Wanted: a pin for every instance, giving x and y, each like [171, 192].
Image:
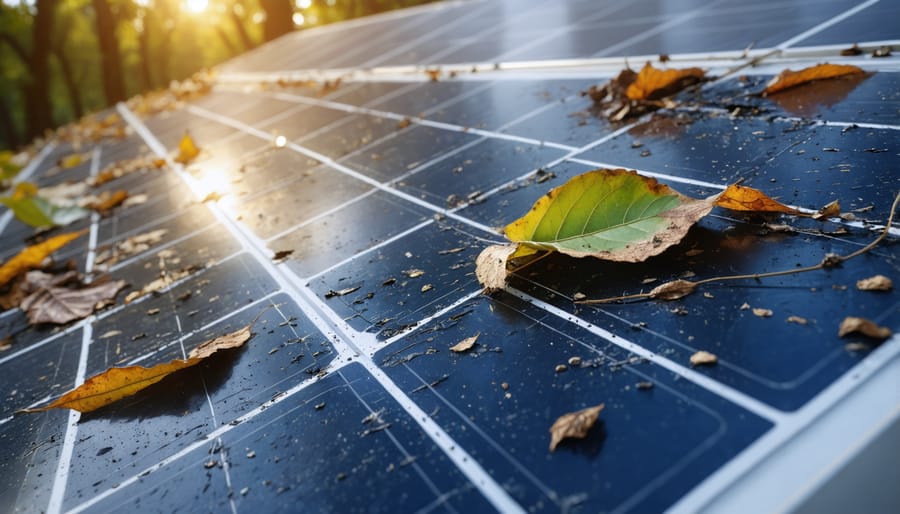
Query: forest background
[61, 59]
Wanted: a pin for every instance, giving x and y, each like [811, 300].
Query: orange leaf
[108, 201]
[742, 198]
[788, 79]
[115, 384]
[32, 256]
[652, 83]
[187, 150]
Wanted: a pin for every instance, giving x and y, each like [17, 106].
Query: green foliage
[159, 41]
[38, 212]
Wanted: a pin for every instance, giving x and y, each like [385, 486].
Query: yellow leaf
[32, 256]
[187, 150]
[70, 161]
[742, 198]
[108, 201]
[788, 78]
[115, 384]
[24, 190]
[652, 83]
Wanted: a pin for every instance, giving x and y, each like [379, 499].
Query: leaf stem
[830, 260]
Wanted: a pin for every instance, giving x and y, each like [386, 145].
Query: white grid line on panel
[311, 306]
[63, 468]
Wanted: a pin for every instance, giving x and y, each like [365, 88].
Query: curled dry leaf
[673, 290]
[653, 83]
[115, 384]
[832, 210]
[742, 198]
[33, 256]
[187, 150]
[762, 313]
[855, 325]
[797, 319]
[60, 305]
[341, 292]
[876, 283]
[788, 78]
[166, 279]
[465, 345]
[490, 266]
[108, 200]
[703, 358]
[130, 246]
[574, 425]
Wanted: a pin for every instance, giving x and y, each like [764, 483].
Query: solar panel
[451, 120]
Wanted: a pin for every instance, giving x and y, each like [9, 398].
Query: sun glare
[196, 6]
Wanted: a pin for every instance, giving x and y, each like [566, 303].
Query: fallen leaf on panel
[33, 256]
[614, 215]
[574, 425]
[832, 210]
[165, 279]
[187, 150]
[115, 384]
[465, 345]
[653, 83]
[107, 200]
[60, 305]
[703, 358]
[855, 325]
[743, 198]
[876, 283]
[130, 246]
[788, 78]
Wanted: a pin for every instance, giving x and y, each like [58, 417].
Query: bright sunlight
[196, 6]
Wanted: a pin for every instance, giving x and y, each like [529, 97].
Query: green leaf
[614, 215]
[38, 212]
[8, 167]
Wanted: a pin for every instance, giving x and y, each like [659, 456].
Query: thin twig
[830, 260]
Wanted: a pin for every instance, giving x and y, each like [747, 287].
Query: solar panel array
[347, 398]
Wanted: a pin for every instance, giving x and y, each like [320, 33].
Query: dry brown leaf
[130, 246]
[876, 283]
[703, 358]
[33, 256]
[788, 78]
[108, 200]
[165, 280]
[762, 313]
[60, 305]
[574, 425]
[465, 345]
[855, 325]
[341, 292]
[743, 198]
[831, 210]
[115, 384]
[490, 266]
[187, 150]
[653, 83]
[673, 290]
[797, 319]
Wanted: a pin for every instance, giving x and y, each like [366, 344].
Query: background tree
[60, 59]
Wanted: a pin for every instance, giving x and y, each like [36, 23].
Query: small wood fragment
[875, 283]
[703, 358]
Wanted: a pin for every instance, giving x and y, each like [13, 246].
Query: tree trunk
[242, 30]
[111, 63]
[37, 94]
[279, 18]
[9, 135]
[144, 50]
[69, 80]
[58, 47]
